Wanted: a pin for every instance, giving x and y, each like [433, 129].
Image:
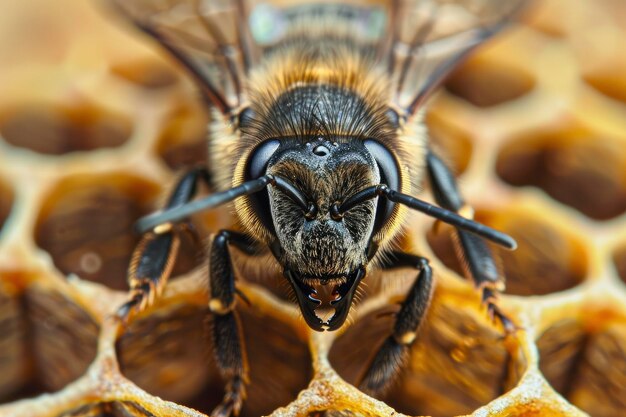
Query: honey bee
[317, 137]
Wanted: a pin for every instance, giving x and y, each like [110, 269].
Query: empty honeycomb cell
[63, 337]
[148, 73]
[458, 362]
[577, 167]
[6, 202]
[86, 224]
[183, 140]
[55, 129]
[450, 142]
[169, 354]
[547, 260]
[487, 83]
[598, 380]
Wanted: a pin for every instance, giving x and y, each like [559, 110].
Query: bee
[317, 138]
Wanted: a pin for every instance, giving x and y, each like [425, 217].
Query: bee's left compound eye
[256, 167]
[259, 158]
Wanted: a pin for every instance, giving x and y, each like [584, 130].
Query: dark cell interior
[486, 84]
[86, 225]
[56, 130]
[61, 340]
[574, 166]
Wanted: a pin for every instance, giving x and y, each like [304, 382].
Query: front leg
[155, 254]
[478, 260]
[229, 349]
[394, 352]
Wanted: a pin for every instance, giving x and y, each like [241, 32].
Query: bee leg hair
[478, 260]
[155, 254]
[394, 352]
[229, 350]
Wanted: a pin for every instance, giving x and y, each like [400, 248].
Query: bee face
[323, 244]
[317, 142]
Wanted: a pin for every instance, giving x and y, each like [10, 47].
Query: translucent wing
[419, 41]
[428, 38]
[210, 38]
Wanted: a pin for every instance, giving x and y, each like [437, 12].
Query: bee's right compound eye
[257, 167]
[389, 175]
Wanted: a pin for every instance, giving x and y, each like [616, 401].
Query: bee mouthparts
[309, 301]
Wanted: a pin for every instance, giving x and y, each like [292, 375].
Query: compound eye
[389, 175]
[259, 158]
[255, 168]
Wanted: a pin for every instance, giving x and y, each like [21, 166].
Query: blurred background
[95, 123]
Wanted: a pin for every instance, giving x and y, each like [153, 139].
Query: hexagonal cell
[63, 337]
[575, 166]
[169, 354]
[166, 353]
[149, 73]
[544, 251]
[55, 129]
[587, 368]
[6, 202]
[450, 142]
[183, 140]
[86, 224]
[485, 83]
[619, 259]
[458, 362]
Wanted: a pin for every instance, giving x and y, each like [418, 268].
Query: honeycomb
[96, 124]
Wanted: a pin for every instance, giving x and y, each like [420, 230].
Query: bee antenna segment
[431, 210]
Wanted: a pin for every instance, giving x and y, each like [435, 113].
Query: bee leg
[394, 352]
[229, 349]
[479, 262]
[154, 255]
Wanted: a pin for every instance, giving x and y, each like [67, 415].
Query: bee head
[317, 244]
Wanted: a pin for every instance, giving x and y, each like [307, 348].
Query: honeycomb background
[95, 124]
